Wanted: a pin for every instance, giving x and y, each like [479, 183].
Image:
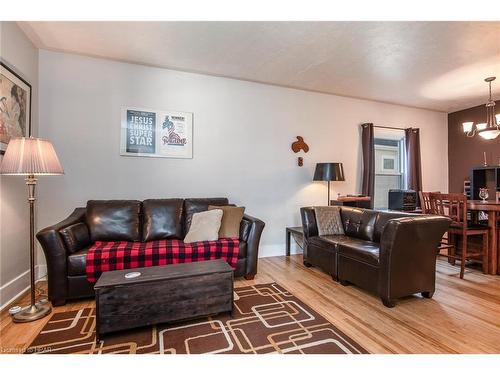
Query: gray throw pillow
[328, 220]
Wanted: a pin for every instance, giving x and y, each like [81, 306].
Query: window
[389, 165]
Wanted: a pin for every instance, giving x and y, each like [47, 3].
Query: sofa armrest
[408, 250]
[309, 228]
[252, 237]
[56, 254]
[309, 225]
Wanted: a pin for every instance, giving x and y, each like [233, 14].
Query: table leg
[288, 243]
[493, 243]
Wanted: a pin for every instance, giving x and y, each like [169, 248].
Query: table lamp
[31, 157]
[329, 172]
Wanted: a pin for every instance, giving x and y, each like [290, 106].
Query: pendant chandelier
[489, 129]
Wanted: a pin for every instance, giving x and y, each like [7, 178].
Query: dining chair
[454, 206]
[429, 209]
[425, 201]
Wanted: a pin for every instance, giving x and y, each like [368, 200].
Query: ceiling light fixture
[489, 129]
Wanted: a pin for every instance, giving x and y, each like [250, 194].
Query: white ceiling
[434, 65]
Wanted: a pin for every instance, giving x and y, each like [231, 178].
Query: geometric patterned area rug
[266, 319]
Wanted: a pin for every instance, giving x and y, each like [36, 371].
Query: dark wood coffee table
[162, 294]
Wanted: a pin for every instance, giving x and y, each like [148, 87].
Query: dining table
[492, 209]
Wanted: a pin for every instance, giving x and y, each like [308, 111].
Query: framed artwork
[156, 133]
[15, 106]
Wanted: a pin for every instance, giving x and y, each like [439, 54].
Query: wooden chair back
[425, 202]
[452, 205]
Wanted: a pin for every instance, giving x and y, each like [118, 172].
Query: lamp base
[31, 313]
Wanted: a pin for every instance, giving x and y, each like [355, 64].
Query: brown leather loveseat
[65, 244]
[392, 254]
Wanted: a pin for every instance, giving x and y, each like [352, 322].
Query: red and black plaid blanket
[109, 256]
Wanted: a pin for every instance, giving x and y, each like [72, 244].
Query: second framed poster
[156, 133]
[15, 106]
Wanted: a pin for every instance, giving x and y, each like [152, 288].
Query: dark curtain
[414, 172]
[368, 145]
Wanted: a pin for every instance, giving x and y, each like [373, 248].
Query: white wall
[18, 52]
[242, 137]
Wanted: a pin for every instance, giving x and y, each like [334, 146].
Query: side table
[289, 231]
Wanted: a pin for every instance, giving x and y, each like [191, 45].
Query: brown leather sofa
[65, 244]
[392, 254]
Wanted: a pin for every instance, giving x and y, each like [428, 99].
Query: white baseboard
[13, 289]
[41, 272]
[277, 250]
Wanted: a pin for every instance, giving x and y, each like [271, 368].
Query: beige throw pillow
[231, 220]
[328, 220]
[204, 226]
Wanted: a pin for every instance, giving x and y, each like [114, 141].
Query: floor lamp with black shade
[329, 172]
[31, 157]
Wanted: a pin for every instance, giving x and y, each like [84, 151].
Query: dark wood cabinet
[485, 177]
[360, 202]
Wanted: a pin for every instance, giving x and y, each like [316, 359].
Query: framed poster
[15, 106]
[156, 133]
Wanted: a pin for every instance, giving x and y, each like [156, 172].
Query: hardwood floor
[462, 317]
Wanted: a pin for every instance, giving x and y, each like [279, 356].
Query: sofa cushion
[231, 220]
[330, 242]
[194, 205]
[361, 250]
[77, 262]
[335, 239]
[127, 255]
[204, 226]
[162, 219]
[114, 220]
[75, 237]
[328, 220]
[321, 242]
[358, 223]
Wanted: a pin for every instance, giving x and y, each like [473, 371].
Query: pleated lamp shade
[30, 156]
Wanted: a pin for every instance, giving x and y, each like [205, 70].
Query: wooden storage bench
[162, 294]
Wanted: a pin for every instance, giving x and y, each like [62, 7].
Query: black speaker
[402, 200]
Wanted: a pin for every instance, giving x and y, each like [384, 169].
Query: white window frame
[401, 169]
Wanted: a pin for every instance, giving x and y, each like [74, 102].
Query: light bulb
[467, 126]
